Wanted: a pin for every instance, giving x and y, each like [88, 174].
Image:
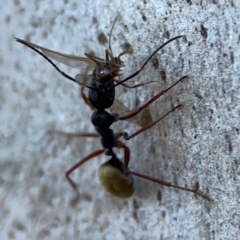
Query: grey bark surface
[197, 145]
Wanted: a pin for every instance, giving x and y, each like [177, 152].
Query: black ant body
[114, 175]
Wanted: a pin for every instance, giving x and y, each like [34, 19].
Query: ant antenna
[110, 35]
[51, 62]
[138, 71]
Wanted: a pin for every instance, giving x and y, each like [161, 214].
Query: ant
[114, 175]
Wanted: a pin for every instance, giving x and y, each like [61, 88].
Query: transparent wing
[119, 107]
[84, 79]
[67, 59]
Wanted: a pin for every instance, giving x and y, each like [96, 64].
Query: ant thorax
[102, 93]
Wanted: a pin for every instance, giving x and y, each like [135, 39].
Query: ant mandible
[114, 175]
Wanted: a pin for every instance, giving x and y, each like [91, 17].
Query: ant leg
[69, 134]
[118, 135]
[85, 99]
[125, 135]
[137, 85]
[169, 184]
[77, 165]
[120, 144]
[132, 114]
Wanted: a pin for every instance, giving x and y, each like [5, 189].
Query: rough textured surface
[196, 144]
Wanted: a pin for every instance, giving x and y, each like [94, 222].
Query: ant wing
[67, 59]
[84, 79]
[119, 107]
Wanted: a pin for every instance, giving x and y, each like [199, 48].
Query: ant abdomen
[114, 180]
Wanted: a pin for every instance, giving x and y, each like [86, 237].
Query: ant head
[114, 180]
[101, 74]
[108, 68]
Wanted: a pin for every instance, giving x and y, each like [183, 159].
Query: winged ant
[114, 175]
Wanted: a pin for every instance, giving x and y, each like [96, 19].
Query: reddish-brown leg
[77, 165]
[137, 85]
[167, 184]
[79, 134]
[132, 114]
[85, 99]
[120, 144]
[125, 135]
